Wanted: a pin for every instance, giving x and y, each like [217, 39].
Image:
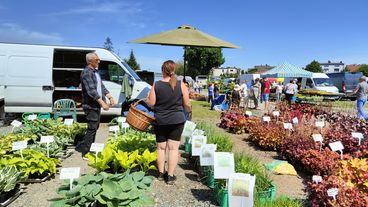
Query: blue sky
[268, 31]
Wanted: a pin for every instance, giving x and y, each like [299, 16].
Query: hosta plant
[55, 150]
[113, 190]
[7, 140]
[9, 177]
[34, 164]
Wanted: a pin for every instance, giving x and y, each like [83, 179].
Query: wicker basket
[138, 119]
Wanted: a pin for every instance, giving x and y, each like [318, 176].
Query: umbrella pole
[185, 62]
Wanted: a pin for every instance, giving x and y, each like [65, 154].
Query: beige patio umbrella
[186, 36]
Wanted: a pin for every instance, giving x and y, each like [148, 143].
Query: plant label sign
[47, 139]
[114, 128]
[223, 165]
[266, 119]
[207, 154]
[97, 147]
[295, 120]
[320, 124]
[70, 173]
[316, 178]
[16, 123]
[198, 132]
[248, 113]
[32, 117]
[317, 137]
[241, 189]
[332, 192]
[20, 145]
[288, 126]
[197, 143]
[276, 113]
[124, 125]
[68, 122]
[357, 135]
[189, 127]
[337, 146]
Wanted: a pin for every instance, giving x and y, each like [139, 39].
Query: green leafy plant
[223, 141]
[7, 140]
[34, 164]
[126, 189]
[9, 177]
[279, 202]
[55, 150]
[146, 159]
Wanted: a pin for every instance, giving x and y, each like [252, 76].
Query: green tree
[108, 44]
[314, 67]
[346, 69]
[132, 62]
[364, 69]
[179, 67]
[201, 60]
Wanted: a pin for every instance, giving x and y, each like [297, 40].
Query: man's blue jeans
[360, 107]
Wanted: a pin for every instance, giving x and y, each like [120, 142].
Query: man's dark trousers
[93, 120]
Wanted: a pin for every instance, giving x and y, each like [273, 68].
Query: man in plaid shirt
[94, 93]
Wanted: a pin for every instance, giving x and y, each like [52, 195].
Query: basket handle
[136, 103]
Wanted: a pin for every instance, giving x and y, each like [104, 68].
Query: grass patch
[201, 112]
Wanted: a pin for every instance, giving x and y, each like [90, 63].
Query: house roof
[353, 67]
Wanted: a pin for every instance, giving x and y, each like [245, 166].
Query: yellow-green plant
[126, 160]
[146, 159]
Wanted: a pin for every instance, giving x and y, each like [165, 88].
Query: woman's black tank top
[169, 103]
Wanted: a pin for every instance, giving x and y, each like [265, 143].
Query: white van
[32, 77]
[320, 82]
[201, 80]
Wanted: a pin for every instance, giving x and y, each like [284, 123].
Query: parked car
[346, 82]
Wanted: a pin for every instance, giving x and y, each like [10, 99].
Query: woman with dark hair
[168, 97]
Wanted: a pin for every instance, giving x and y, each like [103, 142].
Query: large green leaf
[147, 180]
[126, 185]
[111, 189]
[138, 176]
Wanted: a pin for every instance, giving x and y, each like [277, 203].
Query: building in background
[353, 67]
[228, 71]
[331, 67]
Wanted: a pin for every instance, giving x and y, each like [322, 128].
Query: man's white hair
[90, 56]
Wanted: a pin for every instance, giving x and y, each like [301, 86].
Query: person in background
[256, 92]
[167, 97]
[93, 93]
[210, 94]
[216, 90]
[261, 81]
[266, 92]
[195, 87]
[290, 90]
[235, 97]
[244, 94]
[361, 91]
[279, 89]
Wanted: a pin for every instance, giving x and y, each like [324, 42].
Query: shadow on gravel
[192, 176]
[204, 195]
[185, 166]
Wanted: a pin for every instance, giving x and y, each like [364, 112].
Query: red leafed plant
[268, 136]
[233, 121]
[320, 163]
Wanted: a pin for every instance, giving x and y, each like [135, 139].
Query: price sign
[266, 118]
[357, 135]
[32, 117]
[317, 137]
[70, 173]
[114, 128]
[248, 113]
[316, 178]
[47, 139]
[97, 147]
[295, 120]
[276, 113]
[337, 146]
[320, 124]
[19, 145]
[68, 122]
[332, 192]
[16, 123]
[288, 126]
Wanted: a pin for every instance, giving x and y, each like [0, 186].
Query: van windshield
[320, 82]
[131, 71]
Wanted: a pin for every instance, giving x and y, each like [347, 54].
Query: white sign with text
[358, 136]
[266, 119]
[288, 126]
[223, 165]
[32, 117]
[47, 139]
[207, 154]
[316, 178]
[276, 113]
[68, 122]
[241, 189]
[97, 147]
[16, 123]
[197, 142]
